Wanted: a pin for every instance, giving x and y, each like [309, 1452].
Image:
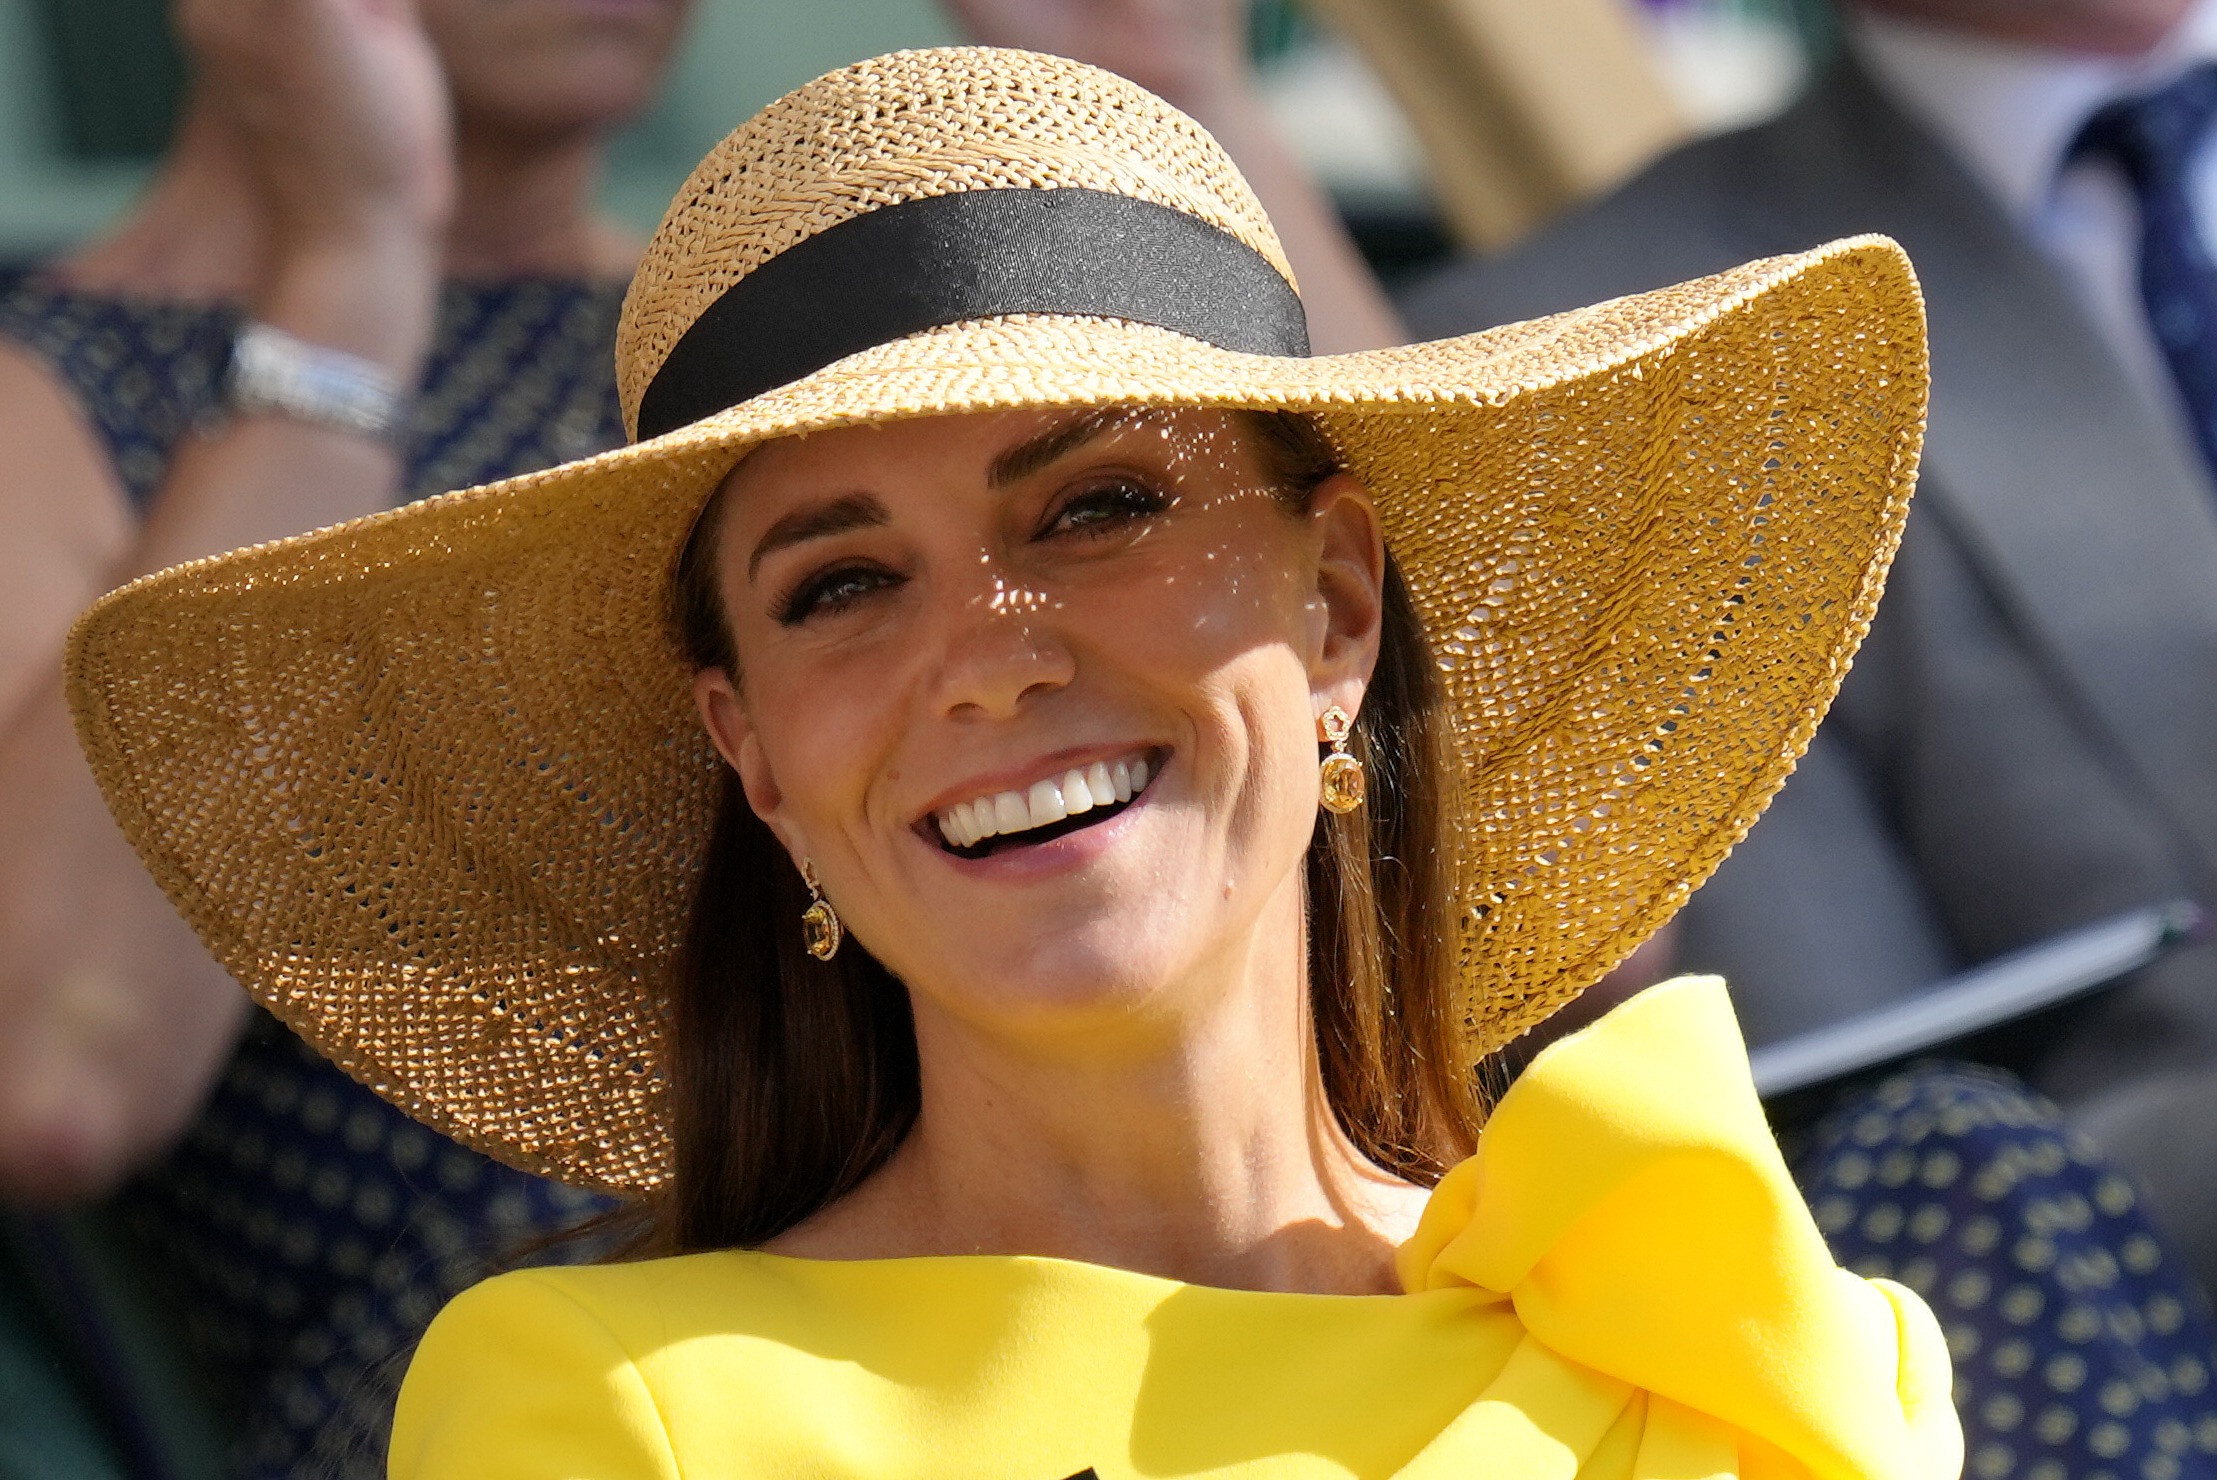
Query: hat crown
[905, 127]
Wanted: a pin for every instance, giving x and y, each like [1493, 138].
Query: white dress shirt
[2010, 114]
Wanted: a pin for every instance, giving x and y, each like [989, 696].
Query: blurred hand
[342, 109]
[1188, 52]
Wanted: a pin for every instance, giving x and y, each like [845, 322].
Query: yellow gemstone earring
[820, 928]
[1342, 775]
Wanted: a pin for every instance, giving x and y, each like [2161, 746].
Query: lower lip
[1072, 850]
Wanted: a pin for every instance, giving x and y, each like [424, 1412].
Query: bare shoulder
[883, 1218]
[1392, 1208]
[64, 520]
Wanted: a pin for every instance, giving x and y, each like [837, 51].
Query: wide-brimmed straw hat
[431, 783]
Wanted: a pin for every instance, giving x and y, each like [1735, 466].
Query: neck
[1195, 1145]
[525, 207]
[202, 232]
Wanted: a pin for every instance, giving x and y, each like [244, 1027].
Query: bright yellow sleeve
[1630, 1200]
[518, 1381]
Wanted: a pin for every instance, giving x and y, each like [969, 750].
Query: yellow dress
[1622, 1285]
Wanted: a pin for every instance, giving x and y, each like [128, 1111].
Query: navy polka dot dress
[2082, 1351]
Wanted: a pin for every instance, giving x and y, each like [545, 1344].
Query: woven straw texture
[904, 127]
[431, 786]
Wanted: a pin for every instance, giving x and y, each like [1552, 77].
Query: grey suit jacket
[2029, 739]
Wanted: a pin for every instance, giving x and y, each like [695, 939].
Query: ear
[1346, 608]
[724, 715]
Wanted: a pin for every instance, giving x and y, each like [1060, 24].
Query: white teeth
[1101, 784]
[1046, 804]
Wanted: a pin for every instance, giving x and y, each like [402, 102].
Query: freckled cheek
[825, 733]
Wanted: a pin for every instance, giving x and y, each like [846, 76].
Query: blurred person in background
[369, 269]
[2029, 739]
[395, 204]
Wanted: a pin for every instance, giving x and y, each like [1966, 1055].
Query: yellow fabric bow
[1629, 1200]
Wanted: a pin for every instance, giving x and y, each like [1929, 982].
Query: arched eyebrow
[817, 521]
[1035, 452]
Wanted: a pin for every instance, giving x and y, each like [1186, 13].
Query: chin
[586, 73]
[1088, 979]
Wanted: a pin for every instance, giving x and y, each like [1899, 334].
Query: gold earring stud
[1342, 776]
[821, 931]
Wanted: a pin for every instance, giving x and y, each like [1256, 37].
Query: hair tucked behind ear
[793, 1079]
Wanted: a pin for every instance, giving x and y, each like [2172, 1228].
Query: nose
[1001, 646]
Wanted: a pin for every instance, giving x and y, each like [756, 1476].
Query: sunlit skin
[1115, 1053]
[2103, 27]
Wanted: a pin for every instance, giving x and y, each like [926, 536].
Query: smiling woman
[1009, 815]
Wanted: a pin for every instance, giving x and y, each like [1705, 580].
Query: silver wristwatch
[275, 371]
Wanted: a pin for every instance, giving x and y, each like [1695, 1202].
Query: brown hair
[793, 1079]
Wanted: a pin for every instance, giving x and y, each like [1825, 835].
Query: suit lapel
[2092, 522]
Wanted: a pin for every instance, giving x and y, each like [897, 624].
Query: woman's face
[945, 625]
[553, 67]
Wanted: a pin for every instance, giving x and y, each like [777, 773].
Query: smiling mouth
[1050, 808]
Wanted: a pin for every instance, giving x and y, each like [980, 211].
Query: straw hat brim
[431, 786]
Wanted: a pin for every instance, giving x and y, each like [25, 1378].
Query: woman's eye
[1105, 508]
[832, 590]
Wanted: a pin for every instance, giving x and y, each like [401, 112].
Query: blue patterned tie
[2152, 139]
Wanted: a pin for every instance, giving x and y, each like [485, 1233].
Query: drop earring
[1342, 776]
[820, 928]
